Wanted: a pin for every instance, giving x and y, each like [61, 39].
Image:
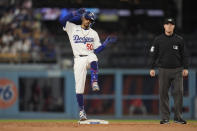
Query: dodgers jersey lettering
[83, 42]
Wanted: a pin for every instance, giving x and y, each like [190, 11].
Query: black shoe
[180, 121]
[164, 122]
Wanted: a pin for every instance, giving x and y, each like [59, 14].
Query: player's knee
[94, 65]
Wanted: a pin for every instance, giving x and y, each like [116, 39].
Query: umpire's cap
[89, 16]
[169, 20]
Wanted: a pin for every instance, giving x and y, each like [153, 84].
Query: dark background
[135, 32]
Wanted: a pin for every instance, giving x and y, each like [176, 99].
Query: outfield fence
[49, 93]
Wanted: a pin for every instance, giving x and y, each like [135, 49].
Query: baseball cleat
[82, 115]
[95, 86]
[164, 122]
[180, 121]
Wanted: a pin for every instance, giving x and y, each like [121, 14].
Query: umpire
[169, 54]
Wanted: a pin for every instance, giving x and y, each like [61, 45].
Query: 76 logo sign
[89, 46]
[8, 93]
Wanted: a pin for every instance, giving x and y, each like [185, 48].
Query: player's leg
[80, 72]
[93, 65]
[94, 75]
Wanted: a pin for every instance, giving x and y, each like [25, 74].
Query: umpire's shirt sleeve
[153, 53]
[184, 55]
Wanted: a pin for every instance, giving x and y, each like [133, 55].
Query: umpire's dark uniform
[169, 54]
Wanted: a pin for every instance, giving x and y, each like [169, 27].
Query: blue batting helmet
[89, 15]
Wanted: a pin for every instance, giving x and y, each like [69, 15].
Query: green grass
[36, 120]
[133, 120]
[153, 121]
[70, 120]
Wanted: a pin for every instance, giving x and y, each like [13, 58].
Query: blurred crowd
[26, 38]
[23, 38]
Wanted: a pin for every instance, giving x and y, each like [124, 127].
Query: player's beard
[87, 25]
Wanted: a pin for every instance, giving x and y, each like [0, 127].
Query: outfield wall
[49, 93]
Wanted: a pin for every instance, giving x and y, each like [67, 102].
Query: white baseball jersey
[83, 41]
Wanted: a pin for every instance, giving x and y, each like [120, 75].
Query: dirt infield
[113, 126]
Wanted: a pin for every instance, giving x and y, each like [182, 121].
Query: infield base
[93, 121]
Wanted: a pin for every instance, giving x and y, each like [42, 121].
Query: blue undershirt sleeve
[99, 49]
[76, 19]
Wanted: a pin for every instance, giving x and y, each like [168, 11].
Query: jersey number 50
[89, 46]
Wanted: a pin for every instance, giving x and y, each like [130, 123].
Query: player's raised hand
[110, 39]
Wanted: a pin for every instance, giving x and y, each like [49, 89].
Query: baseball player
[85, 43]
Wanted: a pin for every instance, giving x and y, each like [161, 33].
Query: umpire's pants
[168, 77]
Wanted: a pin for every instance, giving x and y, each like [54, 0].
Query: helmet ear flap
[93, 22]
